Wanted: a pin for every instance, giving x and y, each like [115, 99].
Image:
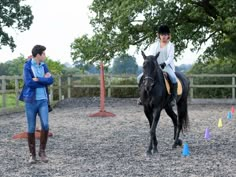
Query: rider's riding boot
[173, 95]
[43, 143]
[31, 144]
[139, 102]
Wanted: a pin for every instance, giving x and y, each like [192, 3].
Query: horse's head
[150, 68]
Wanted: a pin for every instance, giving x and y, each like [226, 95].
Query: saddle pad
[179, 86]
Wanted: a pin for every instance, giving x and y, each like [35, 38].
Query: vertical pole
[17, 90]
[4, 91]
[102, 87]
[102, 112]
[51, 93]
[233, 87]
[109, 85]
[59, 87]
[69, 86]
[191, 88]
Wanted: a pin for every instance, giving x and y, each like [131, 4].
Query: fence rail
[69, 85]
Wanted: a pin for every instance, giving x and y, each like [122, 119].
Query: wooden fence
[69, 85]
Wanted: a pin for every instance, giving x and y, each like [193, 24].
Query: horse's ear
[144, 56]
[157, 55]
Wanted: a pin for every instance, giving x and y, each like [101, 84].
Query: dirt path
[83, 146]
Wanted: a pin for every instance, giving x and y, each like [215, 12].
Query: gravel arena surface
[84, 146]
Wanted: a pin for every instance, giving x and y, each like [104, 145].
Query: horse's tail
[182, 106]
[183, 114]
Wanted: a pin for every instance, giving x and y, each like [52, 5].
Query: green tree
[15, 66]
[55, 67]
[12, 67]
[85, 67]
[215, 66]
[14, 15]
[119, 24]
[125, 64]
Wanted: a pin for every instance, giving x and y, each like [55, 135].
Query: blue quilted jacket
[28, 92]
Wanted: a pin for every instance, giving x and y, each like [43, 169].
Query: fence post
[109, 85]
[191, 88]
[59, 88]
[17, 90]
[233, 87]
[69, 86]
[51, 93]
[4, 91]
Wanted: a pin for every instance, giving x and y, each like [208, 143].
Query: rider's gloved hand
[163, 65]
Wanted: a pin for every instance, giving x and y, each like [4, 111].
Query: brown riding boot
[43, 143]
[31, 144]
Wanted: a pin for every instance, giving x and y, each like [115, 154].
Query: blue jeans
[171, 74]
[39, 107]
[167, 69]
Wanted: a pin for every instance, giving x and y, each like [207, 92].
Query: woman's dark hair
[38, 49]
[164, 29]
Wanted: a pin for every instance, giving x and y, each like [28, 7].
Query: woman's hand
[163, 65]
[35, 79]
[47, 75]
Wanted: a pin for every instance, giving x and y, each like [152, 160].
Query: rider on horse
[165, 59]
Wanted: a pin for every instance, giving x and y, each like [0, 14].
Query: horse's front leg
[148, 112]
[156, 117]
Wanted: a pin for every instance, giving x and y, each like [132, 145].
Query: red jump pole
[102, 112]
[24, 135]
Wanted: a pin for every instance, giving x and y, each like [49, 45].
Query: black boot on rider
[173, 95]
[139, 102]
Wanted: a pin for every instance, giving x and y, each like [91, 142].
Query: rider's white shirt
[155, 48]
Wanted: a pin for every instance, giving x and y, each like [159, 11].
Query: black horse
[155, 97]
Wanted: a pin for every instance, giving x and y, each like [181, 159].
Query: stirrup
[173, 102]
[139, 102]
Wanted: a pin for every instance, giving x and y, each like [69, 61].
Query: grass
[10, 101]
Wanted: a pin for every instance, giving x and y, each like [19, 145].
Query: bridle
[151, 78]
[148, 77]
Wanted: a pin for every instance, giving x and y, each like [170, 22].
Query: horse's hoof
[180, 142]
[155, 151]
[148, 153]
[174, 146]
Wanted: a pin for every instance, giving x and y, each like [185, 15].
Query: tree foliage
[55, 67]
[15, 66]
[125, 64]
[119, 24]
[13, 15]
[215, 66]
[84, 67]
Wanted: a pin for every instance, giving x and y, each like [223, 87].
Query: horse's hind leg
[178, 142]
[173, 116]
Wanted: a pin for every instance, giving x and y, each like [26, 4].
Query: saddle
[168, 84]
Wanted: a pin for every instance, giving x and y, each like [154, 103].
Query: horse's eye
[144, 65]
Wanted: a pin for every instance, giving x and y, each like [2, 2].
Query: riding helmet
[164, 29]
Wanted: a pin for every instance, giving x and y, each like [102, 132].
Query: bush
[94, 80]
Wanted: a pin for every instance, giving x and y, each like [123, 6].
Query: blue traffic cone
[207, 134]
[229, 116]
[185, 150]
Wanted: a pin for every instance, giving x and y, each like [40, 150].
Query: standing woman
[165, 59]
[36, 79]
